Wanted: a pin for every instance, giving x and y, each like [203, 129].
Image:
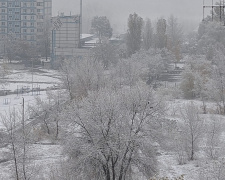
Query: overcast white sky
[118, 11]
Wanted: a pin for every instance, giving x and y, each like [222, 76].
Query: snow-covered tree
[187, 83]
[18, 140]
[48, 114]
[112, 134]
[213, 170]
[101, 27]
[191, 129]
[217, 84]
[151, 62]
[4, 71]
[81, 75]
[10, 122]
[209, 34]
[195, 77]
[213, 136]
[106, 54]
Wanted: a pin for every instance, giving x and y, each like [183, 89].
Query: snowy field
[10, 102]
[39, 78]
[43, 158]
[168, 161]
[44, 154]
[19, 85]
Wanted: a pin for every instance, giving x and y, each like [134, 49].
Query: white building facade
[66, 37]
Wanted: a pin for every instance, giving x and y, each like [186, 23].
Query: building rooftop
[84, 36]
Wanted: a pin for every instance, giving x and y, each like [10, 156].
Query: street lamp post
[81, 17]
[32, 75]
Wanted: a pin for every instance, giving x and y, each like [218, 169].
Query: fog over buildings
[187, 11]
[116, 98]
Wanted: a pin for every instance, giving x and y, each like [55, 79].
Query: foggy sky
[117, 11]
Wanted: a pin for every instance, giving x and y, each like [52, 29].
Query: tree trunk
[204, 106]
[15, 159]
[57, 129]
[46, 124]
[192, 148]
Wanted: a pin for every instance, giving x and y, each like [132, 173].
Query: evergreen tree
[148, 35]
[161, 38]
[174, 36]
[134, 32]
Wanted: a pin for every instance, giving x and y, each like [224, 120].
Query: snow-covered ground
[43, 158]
[25, 78]
[169, 167]
[10, 102]
[44, 155]
[167, 161]
[19, 82]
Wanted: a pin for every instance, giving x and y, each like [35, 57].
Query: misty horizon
[187, 12]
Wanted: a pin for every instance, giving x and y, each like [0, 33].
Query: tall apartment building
[24, 19]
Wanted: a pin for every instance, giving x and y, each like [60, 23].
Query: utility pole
[24, 141]
[80, 24]
[32, 75]
[81, 11]
[23, 111]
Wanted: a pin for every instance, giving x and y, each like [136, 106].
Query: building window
[25, 37]
[32, 11]
[24, 17]
[3, 4]
[40, 23]
[3, 10]
[39, 4]
[40, 17]
[3, 17]
[17, 4]
[3, 23]
[24, 24]
[24, 10]
[3, 30]
[39, 30]
[32, 30]
[24, 30]
[32, 17]
[32, 24]
[17, 17]
[24, 4]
